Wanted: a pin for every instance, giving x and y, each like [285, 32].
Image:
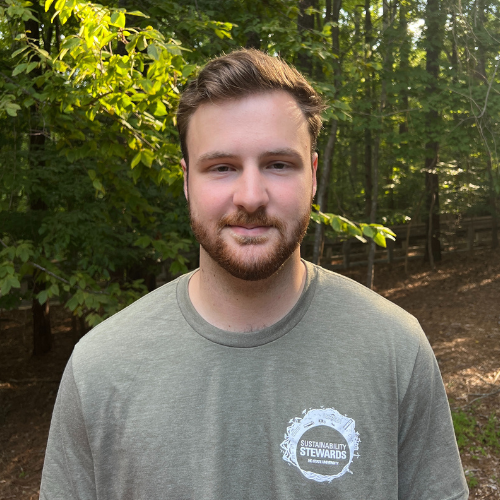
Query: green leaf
[19, 69]
[354, 230]
[160, 109]
[222, 33]
[380, 240]
[369, 231]
[143, 241]
[28, 102]
[31, 66]
[12, 108]
[136, 159]
[336, 225]
[23, 253]
[147, 85]
[137, 13]
[65, 15]
[388, 231]
[48, 3]
[19, 51]
[315, 217]
[188, 69]
[42, 297]
[72, 303]
[98, 185]
[141, 43]
[153, 52]
[44, 53]
[71, 42]
[147, 157]
[9, 282]
[118, 19]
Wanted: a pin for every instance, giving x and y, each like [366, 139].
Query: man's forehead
[273, 119]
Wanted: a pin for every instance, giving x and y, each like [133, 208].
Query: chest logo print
[322, 444]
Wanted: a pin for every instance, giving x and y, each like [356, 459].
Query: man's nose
[251, 190]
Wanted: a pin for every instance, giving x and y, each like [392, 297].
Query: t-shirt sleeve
[68, 471]
[429, 462]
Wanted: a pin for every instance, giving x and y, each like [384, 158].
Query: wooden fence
[456, 235]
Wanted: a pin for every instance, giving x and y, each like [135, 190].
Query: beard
[251, 267]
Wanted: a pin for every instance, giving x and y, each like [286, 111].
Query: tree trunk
[42, 334]
[324, 180]
[306, 23]
[368, 98]
[404, 63]
[434, 41]
[42, 338]
[432, 226]
[322, 190]
[482, 54]
[493, 204]
[387, 65]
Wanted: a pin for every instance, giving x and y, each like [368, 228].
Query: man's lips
[250, 229]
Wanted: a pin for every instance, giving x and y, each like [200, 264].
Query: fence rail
[456, 235]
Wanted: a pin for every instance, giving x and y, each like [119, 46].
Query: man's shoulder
[340, 296]
[127, 333]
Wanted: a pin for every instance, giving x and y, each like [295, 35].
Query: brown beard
[257, 269]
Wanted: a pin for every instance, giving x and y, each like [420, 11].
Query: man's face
[251, 182]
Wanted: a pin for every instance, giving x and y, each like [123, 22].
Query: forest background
[91, 201]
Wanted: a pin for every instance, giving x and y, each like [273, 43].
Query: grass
[476, 438]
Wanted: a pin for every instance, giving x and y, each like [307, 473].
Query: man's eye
[278, 165]
[222, 168]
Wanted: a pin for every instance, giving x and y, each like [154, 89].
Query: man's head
[252, 174]
[240, 74]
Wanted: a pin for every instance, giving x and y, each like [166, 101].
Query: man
[258, 375]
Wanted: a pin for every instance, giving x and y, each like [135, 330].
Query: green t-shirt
[340, 399]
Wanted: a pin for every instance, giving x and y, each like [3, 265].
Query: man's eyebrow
[281, 152]
[216, 155]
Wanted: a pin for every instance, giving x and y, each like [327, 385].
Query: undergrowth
[476, 438]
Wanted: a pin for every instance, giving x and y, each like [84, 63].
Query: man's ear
[314, 172]
[185, 172]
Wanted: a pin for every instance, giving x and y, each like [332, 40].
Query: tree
[100, 113]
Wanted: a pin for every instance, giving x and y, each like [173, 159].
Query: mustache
[258, 218]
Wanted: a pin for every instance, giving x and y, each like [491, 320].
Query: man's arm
[429, 462]
[68, 471]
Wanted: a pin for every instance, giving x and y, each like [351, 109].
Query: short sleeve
[68, 472]
[428, 458]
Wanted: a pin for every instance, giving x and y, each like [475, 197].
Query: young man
[258, 375]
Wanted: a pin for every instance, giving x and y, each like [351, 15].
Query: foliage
[474, 437]
[90, 181]
[348, 229]
[108, 175]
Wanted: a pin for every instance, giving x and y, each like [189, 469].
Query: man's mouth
[249, 229]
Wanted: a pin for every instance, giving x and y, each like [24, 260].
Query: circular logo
[322, 444]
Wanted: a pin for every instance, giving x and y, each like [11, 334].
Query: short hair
[242, 73]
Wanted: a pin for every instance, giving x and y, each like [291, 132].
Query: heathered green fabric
[341, 399]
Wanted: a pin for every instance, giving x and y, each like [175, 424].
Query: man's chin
[258, 272]
[252, 262]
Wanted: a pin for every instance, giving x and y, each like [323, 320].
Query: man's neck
[237, 305]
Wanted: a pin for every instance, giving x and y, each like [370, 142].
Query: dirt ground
[458, 305]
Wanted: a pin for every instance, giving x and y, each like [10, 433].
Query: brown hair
[242, 73]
